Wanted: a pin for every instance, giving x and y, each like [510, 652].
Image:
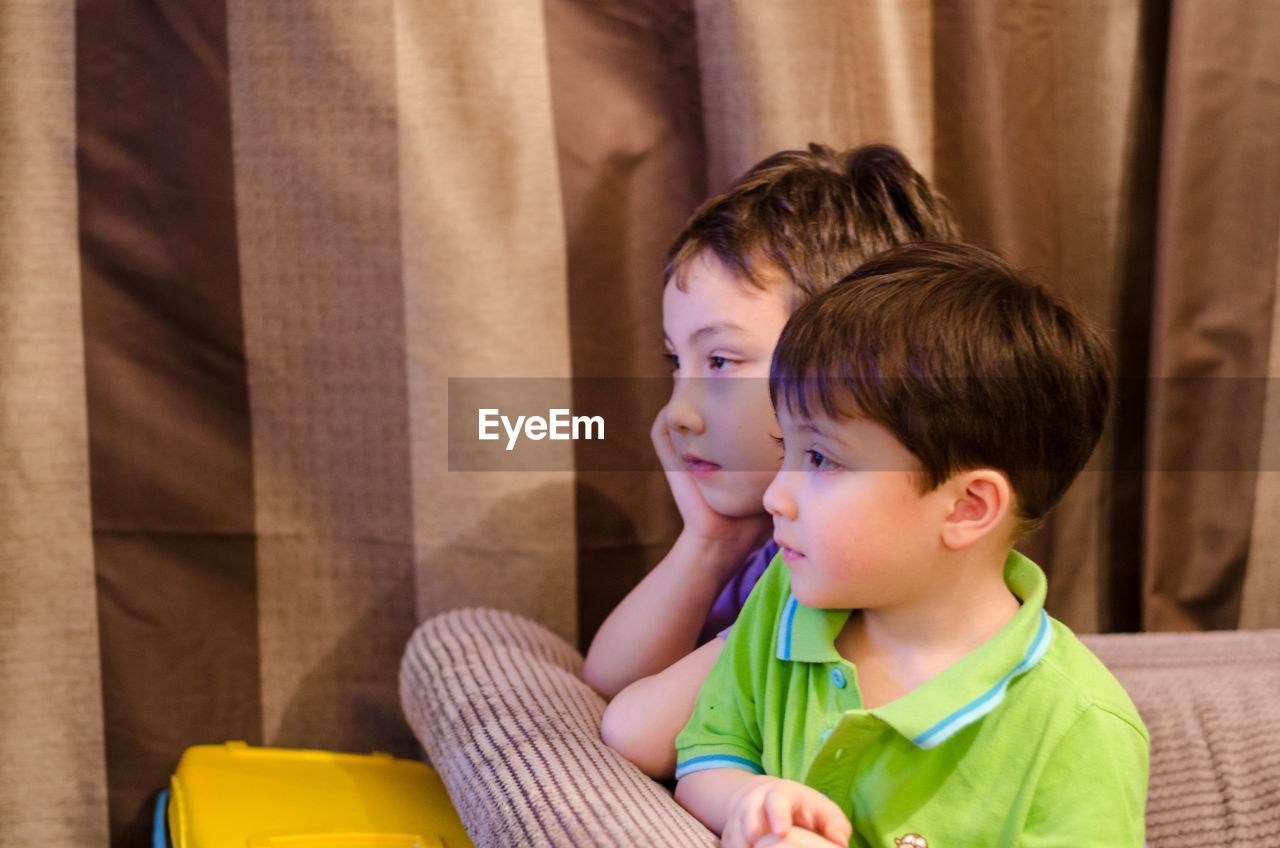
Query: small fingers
[744, 829]
[830, 821]
[819, 814]
[778, 812]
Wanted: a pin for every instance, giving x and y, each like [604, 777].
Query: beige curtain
[245, 248]
[52, 769]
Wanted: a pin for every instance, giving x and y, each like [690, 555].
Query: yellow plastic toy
[237, 795]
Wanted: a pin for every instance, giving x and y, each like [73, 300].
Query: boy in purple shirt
[788, 229]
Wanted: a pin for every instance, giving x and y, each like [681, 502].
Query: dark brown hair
[815, 215]
[963, 359]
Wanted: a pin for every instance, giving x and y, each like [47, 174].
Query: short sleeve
[733, 597]
[724, 731]
[1093, 789]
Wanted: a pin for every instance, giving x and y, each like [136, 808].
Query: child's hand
[700, 520]
[784, 809]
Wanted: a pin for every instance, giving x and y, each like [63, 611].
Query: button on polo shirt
[1028, 740]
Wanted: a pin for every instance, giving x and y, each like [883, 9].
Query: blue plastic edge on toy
[159, 826]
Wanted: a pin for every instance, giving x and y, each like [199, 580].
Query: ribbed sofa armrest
[501, 710]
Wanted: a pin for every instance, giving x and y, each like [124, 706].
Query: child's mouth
[790, 554]
[699, 467]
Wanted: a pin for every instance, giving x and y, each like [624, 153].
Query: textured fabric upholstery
[1211, 702]
[501, 710]
[499, 705]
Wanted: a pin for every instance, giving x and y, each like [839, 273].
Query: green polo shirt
[1026, 741]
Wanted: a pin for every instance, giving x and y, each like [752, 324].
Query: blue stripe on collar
[989, 700]
[784, 628]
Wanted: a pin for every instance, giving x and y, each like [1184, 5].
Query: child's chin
[732, 503]
[812, 600]
[734, 494]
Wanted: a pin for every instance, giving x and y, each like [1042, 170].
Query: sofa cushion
[1211, 702]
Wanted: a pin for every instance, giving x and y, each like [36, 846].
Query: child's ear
[982, 499]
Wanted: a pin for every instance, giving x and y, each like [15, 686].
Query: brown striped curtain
[244, 246]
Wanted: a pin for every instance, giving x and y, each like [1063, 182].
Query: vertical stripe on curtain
[52, 775]
[482, 234]
[313, 97]
[168, 412]
[1260, 604]
[1214, 318]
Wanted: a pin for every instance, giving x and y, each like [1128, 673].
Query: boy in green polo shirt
[893, 680]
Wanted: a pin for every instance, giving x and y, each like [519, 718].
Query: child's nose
[777, 498]
[682, 409]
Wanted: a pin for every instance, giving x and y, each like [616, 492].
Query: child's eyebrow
[712, 330]
[810, 427]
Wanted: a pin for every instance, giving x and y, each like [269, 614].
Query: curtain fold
[251, 254]
[1260, 602]
[1213, 311]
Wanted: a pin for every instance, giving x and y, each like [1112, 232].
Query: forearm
[643, 720]
[659, 621]
[710, 794]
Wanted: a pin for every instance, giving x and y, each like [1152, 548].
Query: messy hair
[814, 215]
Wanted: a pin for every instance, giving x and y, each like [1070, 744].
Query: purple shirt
[724, 612]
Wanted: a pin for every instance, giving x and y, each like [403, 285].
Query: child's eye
[673, 361]
[820, 461]
[717, 362]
